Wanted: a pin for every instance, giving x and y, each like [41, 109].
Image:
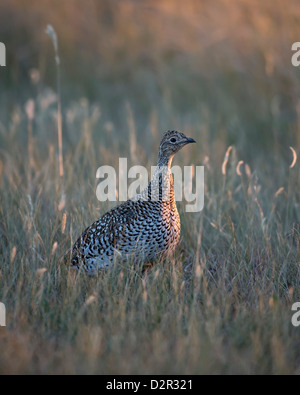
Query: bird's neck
[161, 186]
[165, 161]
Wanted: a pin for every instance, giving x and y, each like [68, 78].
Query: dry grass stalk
[13, 254]
[294, 157]
[41, 271]
[132, 134]
[52, 34]
[30, 110]
[63, 223]
[279, 192]
[238, 168]
[226, 159]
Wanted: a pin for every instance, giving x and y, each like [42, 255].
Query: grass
[222, 303]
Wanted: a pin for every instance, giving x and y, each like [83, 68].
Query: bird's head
[171, 143]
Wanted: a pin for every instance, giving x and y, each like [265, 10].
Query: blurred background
[219, 71]
[223, 67]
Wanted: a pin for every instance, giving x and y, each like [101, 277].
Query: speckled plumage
[142, 228]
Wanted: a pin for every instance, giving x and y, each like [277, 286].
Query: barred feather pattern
[143, 228]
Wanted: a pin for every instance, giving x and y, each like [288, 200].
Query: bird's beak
[190, 140]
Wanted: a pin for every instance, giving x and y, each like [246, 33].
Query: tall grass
[222, 303]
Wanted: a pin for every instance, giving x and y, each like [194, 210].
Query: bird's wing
[106, 233]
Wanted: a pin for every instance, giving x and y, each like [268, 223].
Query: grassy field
[223, 75]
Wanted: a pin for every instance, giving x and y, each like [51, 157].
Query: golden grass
[222, 303]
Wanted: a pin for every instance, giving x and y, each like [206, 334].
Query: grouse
[144, 227]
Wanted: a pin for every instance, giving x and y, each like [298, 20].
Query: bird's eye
[173, 140]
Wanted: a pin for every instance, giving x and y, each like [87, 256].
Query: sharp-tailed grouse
[142, 228]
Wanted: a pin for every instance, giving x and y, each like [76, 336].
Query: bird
[143, 228]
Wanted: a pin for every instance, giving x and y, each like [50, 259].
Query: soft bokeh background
[221, 72]
[229, 62]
